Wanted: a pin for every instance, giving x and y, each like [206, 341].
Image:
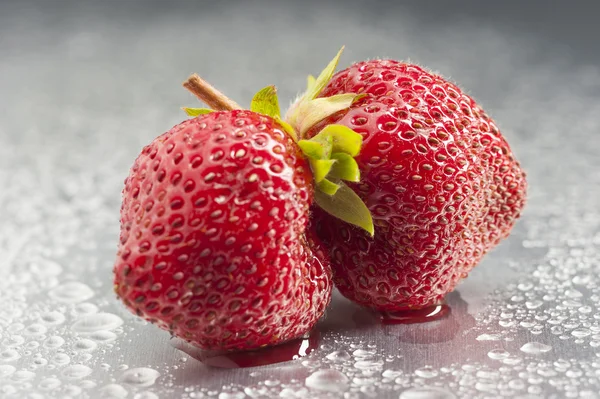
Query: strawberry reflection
[440, 323]
[291, 350]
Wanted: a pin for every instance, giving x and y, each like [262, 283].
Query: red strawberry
[437, 175]
[214, 243]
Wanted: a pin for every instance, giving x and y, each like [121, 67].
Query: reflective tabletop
[84, 85]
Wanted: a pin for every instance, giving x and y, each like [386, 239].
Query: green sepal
[345, 167]
[310, 82]
[327, 187]
[342, 138]
[265, 102]
[323, 78]
[331, 153]
[346, 205]
[321, 168]
[316, 149]
[308, 113]
[196, 111]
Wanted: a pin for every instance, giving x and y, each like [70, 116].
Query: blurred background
[85, 84]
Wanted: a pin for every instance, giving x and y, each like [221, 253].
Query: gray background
[84, 85]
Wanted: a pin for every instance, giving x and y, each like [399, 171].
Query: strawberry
[437, 175]
[214, 243]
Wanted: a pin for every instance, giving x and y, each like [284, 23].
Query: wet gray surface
[84, 85]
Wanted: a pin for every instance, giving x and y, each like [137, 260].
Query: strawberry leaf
[346, 205]
[323, 78]
[265, 101]
[310, 82]
[345, 168]
[196, 111]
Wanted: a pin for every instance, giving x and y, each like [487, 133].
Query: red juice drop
[410, 316]
[285, 352]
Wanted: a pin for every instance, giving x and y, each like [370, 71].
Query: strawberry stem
[209, 95]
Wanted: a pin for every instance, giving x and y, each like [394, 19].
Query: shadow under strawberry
[346, 316]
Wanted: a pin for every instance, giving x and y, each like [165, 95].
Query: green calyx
[330, 153]
[331, 156]
[309, 109]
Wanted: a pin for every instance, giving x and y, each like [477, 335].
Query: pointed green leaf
[343, 138]
[324, 77]
[266, 102]
[346, 205]
[327, 188]
[310, 82]
[345, 168]
[196, 111]
[287, 127]
[309, 113]
[321, 168]
[316, 149]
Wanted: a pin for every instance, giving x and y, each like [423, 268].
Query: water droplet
[113, 391]
[85, 345]
[9, 355]
[489, 337]
[76, 371]
[102, 336]
[15, 327]
[140, 377]
[13, 341]
[426, 372]
[85, 308]
[364, 354]
[427, 393]
[61, 359]
[311, 363]
[232, 395]
[6, 370]
[329, 380]
[146, 395]
[534, 304]
[71, 292]
[498, 354]
[54, 342]
[48, 384]
[39, 362]
[53, 318]
[580, 332]
[392, 374]
[97, 322]
[23, 375]
[535, 348]
[368, 364]
[339, 356]
[573, 294]
[35, 329]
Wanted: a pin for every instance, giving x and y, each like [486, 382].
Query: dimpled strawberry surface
[438, 177]
[213, 245]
